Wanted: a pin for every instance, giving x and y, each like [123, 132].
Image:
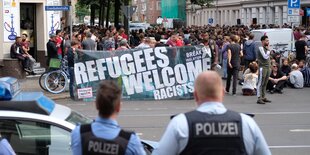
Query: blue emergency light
[11, 98]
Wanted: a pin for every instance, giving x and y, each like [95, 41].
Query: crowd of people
[233, 47]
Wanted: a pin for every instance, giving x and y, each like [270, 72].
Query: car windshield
[76, 118]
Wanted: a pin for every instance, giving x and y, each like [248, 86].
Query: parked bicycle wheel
[41, 81]
[56, 81]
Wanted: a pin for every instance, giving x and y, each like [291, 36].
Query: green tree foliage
[207, 3]
[81, 10]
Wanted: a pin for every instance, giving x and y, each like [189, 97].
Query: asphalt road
[285, 122]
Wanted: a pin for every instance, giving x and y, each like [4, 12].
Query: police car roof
[34, 102]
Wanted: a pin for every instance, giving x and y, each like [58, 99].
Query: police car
[35, 125]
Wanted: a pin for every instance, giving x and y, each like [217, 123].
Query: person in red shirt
[123, 34]
[172, 42]
[179, 42]
[59, 44]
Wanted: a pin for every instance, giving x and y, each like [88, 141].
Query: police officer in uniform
[211, 128]
[104, 136]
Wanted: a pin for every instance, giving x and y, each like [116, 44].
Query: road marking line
[296, 146]
[139, 134]
[157, 108]
[279, 113]
[70, 104]
[300, 130]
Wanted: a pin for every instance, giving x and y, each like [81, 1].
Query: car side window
[35, 138]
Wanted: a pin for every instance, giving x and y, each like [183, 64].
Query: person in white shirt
[296, 79]
[202, 131]
[250, 80]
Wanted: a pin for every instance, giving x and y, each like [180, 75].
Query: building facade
[147, 11]
[246, 12]
[174, 9]
[29, 17]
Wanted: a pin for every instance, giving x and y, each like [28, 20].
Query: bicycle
[56, 79]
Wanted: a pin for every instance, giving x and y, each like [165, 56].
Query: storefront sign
[53, 17]
[11, 20]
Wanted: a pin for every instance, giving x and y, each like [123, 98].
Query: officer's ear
[118, 106]
[195, 96]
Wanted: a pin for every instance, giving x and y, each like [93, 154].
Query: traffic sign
[293, 19]
[57, 8]
[128, 10]
[293, 12]
[293, 4]
[210, 20]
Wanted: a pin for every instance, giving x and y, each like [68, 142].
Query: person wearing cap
[51, 48]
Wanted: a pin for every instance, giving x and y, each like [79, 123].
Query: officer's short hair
[108, 96]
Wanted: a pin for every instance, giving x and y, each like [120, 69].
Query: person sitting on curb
[296, 79]
[17, 52]
[277, 80]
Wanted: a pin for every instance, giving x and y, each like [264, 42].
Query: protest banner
[159, 73]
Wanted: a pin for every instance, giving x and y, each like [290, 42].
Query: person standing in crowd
[158, 42]
[71, 56]
[297, 34]
[214, 50]
[172, 42]
[263, 58]
[233, 61]
[105, 129]
[17, 52]
[123, 45]
[250, 80]
[296, 79]
[109, 42]
[51, 48]
[123, 34]
[88, 43]
[5, 147]
[194, 132]
[144, 42]
[224, 53]
[301, 48]
[277, 80]
[59, 43]
[249, 51]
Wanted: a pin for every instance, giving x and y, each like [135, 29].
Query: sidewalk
[31, 84]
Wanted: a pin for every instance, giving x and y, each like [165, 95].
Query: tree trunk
[101, 14]
[126, 19]
[92, 15]
[117, 7]
[108, 14]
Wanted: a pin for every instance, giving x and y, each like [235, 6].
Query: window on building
[158, 5]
